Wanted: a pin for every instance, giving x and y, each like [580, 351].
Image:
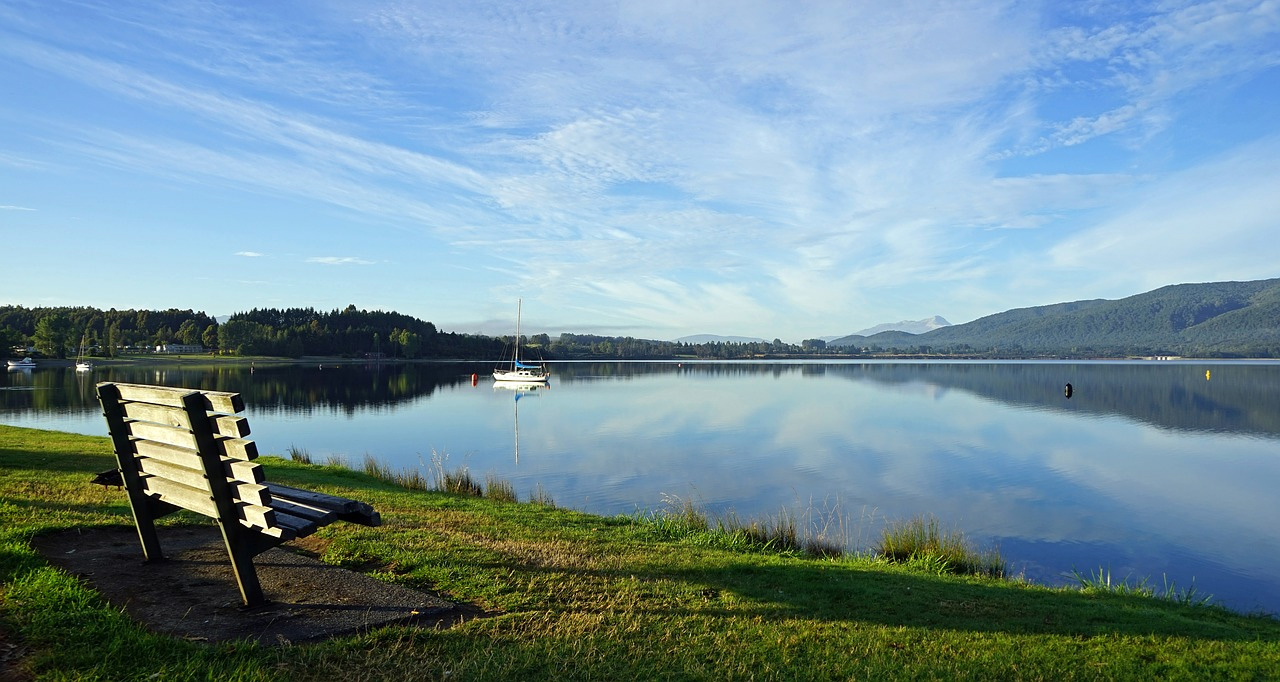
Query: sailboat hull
[526, 376]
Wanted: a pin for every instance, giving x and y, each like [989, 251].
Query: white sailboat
[518, 371]
[82, 363]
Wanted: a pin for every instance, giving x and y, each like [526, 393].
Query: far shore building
[184, 348]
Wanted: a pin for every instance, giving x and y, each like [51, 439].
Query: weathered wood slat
[225, 425]
[215, 401]
[280, 533]
[315, 499]
[313, 514]
[237, 448]
[160, 433]
[193, 478]
[196, 500]
[243, 491]
[230, 426]
[299, 526]
[164, 434]
[160, 414]
[185, 457]
[251, 493]
[159, 395]
[351, 511]
[236, 469]
[256, 515]
[245, 472]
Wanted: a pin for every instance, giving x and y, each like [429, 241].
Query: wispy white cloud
[249, 254]
[15, 208]
[340, 260]
[1147, 60]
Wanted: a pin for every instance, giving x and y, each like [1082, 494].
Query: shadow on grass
[73, 462]
[844, 593]
[841, 593]
[60, 514]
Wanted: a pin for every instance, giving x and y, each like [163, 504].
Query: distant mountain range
[716, 338]
[1212, 319]
[909, 326]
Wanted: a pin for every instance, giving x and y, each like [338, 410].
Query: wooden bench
[180, 448]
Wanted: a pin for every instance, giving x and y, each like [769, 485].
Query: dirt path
[193, 594]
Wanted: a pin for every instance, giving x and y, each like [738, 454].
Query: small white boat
[24, 362]
[518, 371]
[82, 363]
[523, 374]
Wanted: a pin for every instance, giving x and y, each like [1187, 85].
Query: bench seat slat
[299, 526]
[313, 514]
[351, 511]
[315, 499]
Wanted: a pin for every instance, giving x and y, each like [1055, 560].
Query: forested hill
[293, 332]
[1216, 319]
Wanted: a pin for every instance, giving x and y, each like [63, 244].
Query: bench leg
[147, 535]
[241, 553]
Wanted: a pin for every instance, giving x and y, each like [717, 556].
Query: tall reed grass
[921, 542]
[410, 478]
[813, 532]
[542, 498]
[499, 489]
[438, 477]
[1101, 581]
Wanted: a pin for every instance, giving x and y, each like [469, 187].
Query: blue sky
[649, 168]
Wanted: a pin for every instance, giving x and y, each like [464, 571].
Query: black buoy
[1067, 391]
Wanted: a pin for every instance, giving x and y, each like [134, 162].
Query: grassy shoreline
[588, 597]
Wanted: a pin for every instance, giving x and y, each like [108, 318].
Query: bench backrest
[187, 449]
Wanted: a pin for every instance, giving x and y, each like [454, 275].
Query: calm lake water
[1159, 470]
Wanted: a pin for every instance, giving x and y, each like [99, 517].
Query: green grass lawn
[586, 597]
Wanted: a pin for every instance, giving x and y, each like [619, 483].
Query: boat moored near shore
[518, 371]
